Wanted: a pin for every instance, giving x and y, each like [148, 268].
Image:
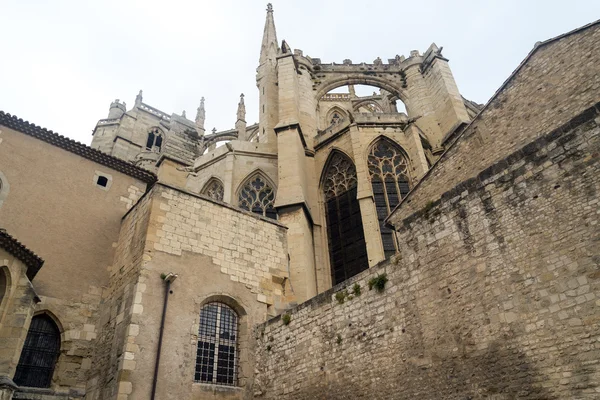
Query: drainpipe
[168, 280]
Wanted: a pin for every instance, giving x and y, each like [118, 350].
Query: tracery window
[216, 357]
[335, 119]
[39, 354]
[347, 247]
[155, 139]
[214, 189]
[388, 168]
[370, 107]
[259, 197]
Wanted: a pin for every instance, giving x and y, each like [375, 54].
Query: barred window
[216, 357]
[154, 141]
[214, 189]
[388, 168]
[259, 197]
[39, 354]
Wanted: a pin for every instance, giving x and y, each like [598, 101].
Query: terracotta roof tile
[17, 249]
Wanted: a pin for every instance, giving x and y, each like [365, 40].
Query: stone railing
[108, 121]
[154, 111]
[336, 97]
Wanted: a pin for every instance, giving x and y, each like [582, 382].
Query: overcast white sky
[64, 61]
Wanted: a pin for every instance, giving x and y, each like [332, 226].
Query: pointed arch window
[39, 354]
[216, 356]
[154, 141]
[347, 247]
[388, 168]
[258, 196]
[214, 189]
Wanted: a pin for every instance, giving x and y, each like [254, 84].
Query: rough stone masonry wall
[496, 295]
[108, 367]
[559, 80]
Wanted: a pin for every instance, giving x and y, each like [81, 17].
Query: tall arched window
[4, 286]
[214, 189]
[347, 247]
[388, 167]
[155, 139]
[39, 354]
[258, 196]
[216, 357]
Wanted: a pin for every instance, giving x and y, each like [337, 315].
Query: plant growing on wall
[378, 282]
[286, 319]
[356, 289]
[341, 296]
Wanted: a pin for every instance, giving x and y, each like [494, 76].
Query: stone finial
[241, 111]
[347, 61]
[285, 48]
[214, 130]
[200, 114]
[138, 99]
[183, 114]
[269, 7]
[414, 53]
[377, 61]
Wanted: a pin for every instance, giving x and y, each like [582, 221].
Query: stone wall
[220, 253]
[17, 304]
[56, 206]
[495, 296]
[558, 80]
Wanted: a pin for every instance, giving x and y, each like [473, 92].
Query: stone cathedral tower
[330, 166]
[158, 264]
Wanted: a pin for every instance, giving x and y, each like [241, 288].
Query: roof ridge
[73, 146]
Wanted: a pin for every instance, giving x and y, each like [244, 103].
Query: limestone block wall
[117, 332]
[17, 304]
[559, 80]
[219, 253]
[495, 294]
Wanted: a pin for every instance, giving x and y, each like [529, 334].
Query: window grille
[216, 357]
[257, 196]
[388, 168]
[39, 354]
[347, 247]
[214, 189]
[154, 141]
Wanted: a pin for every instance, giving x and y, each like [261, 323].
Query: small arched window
[154, 142]
[216, 356]
[39, 354]
[388, 168]
[258, 196]
[4, 286]
[214, 189]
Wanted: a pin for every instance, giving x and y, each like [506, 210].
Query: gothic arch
[257, 194]
[214, 188]
[53, 317]
[330, 156]
[155, 138]
[389, 172]
[392, 85]
[345, 233]
[5, 288]
[366, 103]
[335, 115]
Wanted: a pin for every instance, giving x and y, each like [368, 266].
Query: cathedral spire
[268, 49]
[200, 114]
